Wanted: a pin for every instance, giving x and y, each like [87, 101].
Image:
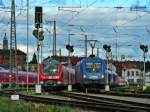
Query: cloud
[31, 49]
[97, 23]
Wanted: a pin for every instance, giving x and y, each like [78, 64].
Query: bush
[147, 90]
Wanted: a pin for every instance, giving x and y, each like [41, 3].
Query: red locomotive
[53, 72]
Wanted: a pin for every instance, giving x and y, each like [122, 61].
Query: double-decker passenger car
[6, 78]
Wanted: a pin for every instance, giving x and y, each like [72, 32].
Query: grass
[133, 89]
[6, 105]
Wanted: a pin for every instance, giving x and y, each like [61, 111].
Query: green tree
[34, 59]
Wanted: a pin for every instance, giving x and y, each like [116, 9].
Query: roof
[7, 51]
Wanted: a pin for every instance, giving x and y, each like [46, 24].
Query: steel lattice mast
[13, 45]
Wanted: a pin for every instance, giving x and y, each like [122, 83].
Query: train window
[93, 67]
[50, 67]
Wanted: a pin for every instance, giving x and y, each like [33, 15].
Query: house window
[137, 73]
[131, 81]
[128, 73]
[132, 73]
[147, 78]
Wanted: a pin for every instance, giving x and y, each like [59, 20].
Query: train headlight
[54, 71]
[102, 76]
[59, 82]
[41, 82]
[84, 76]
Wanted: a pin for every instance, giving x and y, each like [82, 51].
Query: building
[147, 78]
[5, 56]
[132, 71]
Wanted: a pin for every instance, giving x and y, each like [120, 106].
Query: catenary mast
[13, 45]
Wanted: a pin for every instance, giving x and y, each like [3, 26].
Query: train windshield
[93, 67]
[50, 67]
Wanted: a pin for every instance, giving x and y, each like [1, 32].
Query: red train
[53, 72]
[6, 78]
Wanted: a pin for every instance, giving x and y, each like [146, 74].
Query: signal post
[107, 48]
[70, 51]
[38, 33]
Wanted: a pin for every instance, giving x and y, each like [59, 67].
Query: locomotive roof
[89, 59]
[51, 60]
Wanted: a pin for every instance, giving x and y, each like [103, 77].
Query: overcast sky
[124, 29]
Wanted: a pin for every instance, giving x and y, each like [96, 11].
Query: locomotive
[88, 71]
[53, 72]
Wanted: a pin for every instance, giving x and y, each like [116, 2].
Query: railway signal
[107, 48]
[38, 33]
[70, 48]
[144, 48]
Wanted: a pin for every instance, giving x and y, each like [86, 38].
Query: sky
[123, 24]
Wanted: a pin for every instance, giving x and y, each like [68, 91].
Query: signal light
[70, 48]
[92, 55]
[67, 47]
[144, 48]
[38, 17]
[107, 48]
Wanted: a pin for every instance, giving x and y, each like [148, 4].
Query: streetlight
[107, 48]
[144, 48]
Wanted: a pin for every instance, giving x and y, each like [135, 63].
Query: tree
[34, 59]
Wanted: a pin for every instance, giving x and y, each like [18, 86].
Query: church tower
[5, 42]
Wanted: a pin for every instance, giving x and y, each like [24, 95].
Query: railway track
[126, 94]
[120, 105]
[83, 101]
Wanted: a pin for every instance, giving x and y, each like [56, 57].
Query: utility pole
[54, 37]
[85, 45]
[97, 52]
[13, 45]
[27, 43]
[116, 32]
